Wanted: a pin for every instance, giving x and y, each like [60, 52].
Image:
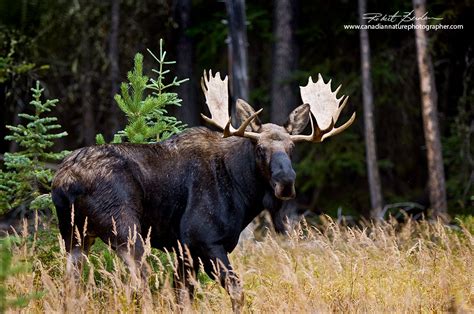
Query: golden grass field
[415, 267]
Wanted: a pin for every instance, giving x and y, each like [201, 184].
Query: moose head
[274, 143]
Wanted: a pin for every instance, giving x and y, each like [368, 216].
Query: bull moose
[198, 189]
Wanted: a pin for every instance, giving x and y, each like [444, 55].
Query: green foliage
[99, 139]
[209, 35]
[8, 270]
[321, 164]
[26, 179]
[335, 158]
[8, 64]
[148, 121]
[459, 151]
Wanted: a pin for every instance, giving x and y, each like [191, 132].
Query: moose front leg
[217, 265]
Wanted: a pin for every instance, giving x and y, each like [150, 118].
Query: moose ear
[244, 110]
[298, 120]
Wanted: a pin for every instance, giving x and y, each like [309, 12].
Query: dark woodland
[80, 51]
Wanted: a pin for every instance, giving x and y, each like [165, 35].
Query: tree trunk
[189, 111]
[436, 181]
[88, 115]
[114, 75]
[375, 189]
[237, 48]
[284, 60]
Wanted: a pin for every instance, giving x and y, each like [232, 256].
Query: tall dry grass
[417, 267]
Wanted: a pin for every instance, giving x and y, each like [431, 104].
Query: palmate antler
[217, 99]
[324, 106]
[323, 102]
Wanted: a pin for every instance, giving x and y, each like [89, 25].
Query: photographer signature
[397, 17]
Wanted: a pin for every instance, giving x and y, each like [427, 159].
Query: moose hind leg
[185, 277]
[77, 239]
[126, 239]
[77, 252]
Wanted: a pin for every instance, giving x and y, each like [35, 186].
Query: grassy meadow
[415, 267]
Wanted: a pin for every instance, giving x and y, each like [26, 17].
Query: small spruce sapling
[144, 101]
[26, 181]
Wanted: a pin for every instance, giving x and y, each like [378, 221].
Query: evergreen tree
[144, 101]
[26, 180]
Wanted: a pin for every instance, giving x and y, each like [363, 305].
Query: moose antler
[324, 106]
[217, 100]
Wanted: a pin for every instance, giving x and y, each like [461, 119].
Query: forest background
[81, 50]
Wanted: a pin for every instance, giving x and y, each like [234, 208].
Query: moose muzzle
[282, 176]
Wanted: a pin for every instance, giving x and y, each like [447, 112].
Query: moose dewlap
[199, 189]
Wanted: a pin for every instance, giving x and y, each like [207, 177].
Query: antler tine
[241, 130]
[203, 85]
[324, 108]
[205, 78]
[338, 130]
[339, 110]
[210, 121]
[317, 134]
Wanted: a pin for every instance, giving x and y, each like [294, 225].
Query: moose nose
[283, 176]
[281, 168]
